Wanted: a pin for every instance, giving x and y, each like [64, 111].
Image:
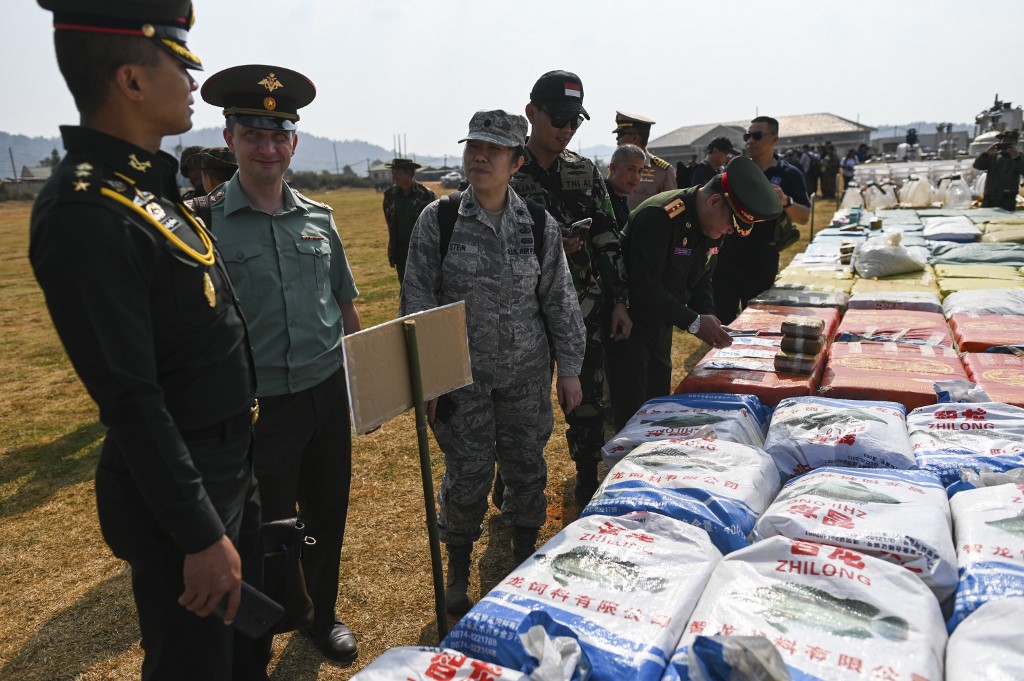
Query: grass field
[67, 611]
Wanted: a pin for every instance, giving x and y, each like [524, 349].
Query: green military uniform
[294, 283]
[401, 210]
[570, 191]
[671, 261]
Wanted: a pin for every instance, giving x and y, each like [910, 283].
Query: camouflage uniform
[511, 296]
[573, 190]
[399, 234]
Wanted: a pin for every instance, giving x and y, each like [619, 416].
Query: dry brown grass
[67, 611]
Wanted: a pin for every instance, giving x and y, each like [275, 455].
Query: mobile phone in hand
[580, 229]
[257, 612]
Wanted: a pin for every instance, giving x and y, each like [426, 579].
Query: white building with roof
[794, 131]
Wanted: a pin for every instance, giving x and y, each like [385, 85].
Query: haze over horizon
[420, 70]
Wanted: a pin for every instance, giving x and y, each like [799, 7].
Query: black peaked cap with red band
[165, 22]
[749, 193]
[259, 96]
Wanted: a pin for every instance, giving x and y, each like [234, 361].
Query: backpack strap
[540, 218]
[447, 214]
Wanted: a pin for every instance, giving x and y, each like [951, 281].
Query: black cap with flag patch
[165, 22]
[260, 96]
[561, 93]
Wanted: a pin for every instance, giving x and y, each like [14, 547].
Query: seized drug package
[951, 436]
[899, 516]
[735, 418]
[988, 527]
[622, 587]
[716, 485]
[830, 611]
[810, 432]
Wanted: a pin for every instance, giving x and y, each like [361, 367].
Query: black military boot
[456, 600]
[586, 481]
[524, 543]
[498, 492]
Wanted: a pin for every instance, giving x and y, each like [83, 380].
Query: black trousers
[741, 275]
[177, 643]
[303, 455]
[638, 369]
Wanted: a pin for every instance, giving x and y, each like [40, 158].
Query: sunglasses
[560, 122]
[756, 135]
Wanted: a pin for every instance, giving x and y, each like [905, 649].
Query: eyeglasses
[561, 121]
[756, 135]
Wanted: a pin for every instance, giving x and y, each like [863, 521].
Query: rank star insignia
[271, 82]
[675, 207]
[81, 185]
[141, 166]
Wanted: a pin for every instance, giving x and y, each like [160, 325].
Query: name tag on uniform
[462, 248]
[683, 251]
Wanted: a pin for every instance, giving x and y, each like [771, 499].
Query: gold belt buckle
[255, 411]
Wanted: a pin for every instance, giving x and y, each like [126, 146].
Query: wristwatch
[789, 202]
[695, 327]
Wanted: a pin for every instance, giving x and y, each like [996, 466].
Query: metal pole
[412, 350]
[812, 216]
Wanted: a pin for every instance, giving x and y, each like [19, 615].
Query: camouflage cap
[497, 127]
[217, 158]
[189, 159]
[749, 194]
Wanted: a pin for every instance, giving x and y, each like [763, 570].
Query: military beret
[217, 158]
[626, 123]
[497, 127]
[403, 164]
[561, 93]
[165, 22]
[749, 193]
[259, 96]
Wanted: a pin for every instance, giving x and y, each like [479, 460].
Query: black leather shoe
[336, 641]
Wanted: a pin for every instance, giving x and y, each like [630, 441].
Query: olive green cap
[749, 193]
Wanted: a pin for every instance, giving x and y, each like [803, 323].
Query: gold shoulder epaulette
[674, 207]
[660, 162]
[315, 203]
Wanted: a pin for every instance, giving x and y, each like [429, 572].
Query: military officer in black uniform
[146, 312]
[671, 244]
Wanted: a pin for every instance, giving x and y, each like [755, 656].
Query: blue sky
[421, 69]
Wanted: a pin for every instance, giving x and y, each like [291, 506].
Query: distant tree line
[325, 180]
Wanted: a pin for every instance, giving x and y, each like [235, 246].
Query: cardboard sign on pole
[377, 366]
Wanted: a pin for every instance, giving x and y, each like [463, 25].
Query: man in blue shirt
[296, 289]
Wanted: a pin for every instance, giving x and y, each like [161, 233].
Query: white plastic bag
[416, 663]
[830, 611]
[899, 516]
[622, 587]
[917, 192]
[986, 645]
[885, 256]
[810, 432]
[716, 485]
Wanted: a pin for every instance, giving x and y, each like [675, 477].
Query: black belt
[233, 424]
